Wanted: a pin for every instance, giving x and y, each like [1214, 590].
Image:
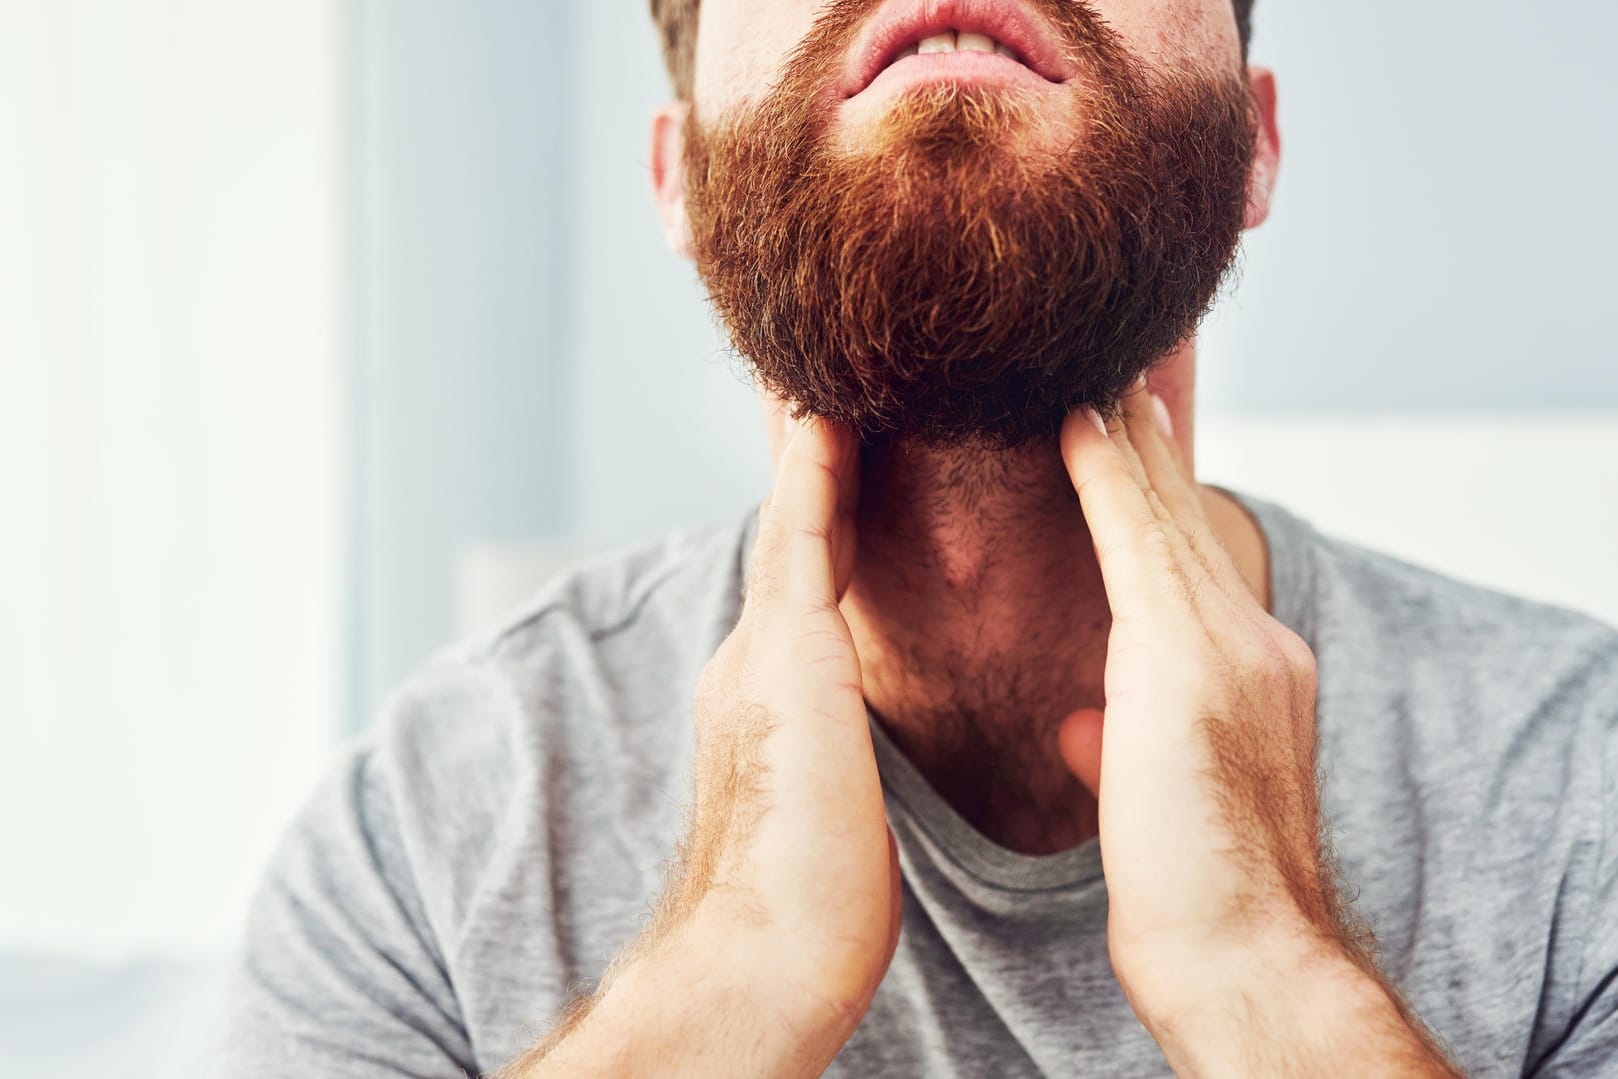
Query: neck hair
[981, 621]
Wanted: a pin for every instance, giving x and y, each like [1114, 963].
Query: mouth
[978, 41]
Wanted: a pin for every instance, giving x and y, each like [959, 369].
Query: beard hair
[955, 279]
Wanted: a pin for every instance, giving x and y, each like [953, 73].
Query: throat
[980, 619]
[1006, 781]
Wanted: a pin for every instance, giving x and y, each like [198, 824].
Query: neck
[981, 622]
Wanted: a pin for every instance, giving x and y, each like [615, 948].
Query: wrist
[1297, 1003]
[1168, 978]
[820, 988]
[695, 998]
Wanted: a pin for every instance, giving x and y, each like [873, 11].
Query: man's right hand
[782, 913]
[788, 840]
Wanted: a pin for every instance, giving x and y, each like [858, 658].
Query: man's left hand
[1221, 896]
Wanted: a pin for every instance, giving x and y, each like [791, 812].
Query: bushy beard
[956, 279]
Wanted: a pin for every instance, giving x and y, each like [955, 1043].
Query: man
[992, 744]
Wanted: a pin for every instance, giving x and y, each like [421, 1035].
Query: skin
[1197, 774]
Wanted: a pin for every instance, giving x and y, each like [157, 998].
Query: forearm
[702, 1000]
[1287, 1012]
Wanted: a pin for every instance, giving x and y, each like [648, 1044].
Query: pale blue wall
[538, 367]
[1445, 234]
[462, 302]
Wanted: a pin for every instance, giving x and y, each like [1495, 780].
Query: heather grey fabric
[499, 834]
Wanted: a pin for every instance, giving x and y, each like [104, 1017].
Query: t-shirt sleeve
[1589, 1049]
[339, 973]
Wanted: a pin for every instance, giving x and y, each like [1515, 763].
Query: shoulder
[605, 636]
[634, 591]
[1380, 621]
[437, 857]
[538, 730]
[1468, 742]
[1501, 652]
[1462, 714]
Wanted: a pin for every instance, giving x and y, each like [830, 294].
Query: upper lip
[902, 23]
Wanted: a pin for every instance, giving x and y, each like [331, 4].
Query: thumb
[1079, 739]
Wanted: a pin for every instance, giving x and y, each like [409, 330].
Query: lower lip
[962, 67]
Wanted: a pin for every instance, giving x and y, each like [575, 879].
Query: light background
[173, 460]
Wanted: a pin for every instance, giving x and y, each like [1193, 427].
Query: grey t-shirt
[499, 835]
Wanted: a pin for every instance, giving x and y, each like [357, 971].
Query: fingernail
[1095, 420]
[1164, 422]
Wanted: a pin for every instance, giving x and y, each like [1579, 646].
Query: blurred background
[328, 329]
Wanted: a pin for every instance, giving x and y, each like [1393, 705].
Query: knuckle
[1113, 469]
[818, 532]
[1301, 662]
[1299, 656]
[828, 472]
[715, 681]
[1277, 664]
[1254, 661]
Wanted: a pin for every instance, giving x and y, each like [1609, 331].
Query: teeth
[959, 41]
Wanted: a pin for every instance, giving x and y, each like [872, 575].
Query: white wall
[1521, 502]
[171, 437]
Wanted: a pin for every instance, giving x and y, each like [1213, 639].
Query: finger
[1118, 431]
[844, 535]
[795, 552]
[896, 889]
[1143, 416]
[1149, 430]
[1079, 739]
[1137, 555]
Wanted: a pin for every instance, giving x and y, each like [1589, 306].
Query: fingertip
[834, 441]
[790, 422]
[1081, 424]
[1079, 740]
[1096, 421]
[1160, 411]
[799, 433]
[813, 436]
[835, 430]
[1135, 411]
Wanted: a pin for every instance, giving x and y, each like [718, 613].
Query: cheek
[1177, 33]
[742, 46]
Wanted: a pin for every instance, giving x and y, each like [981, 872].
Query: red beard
[952, 282]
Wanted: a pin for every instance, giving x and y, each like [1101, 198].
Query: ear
[1267, 152]
[668, 174]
